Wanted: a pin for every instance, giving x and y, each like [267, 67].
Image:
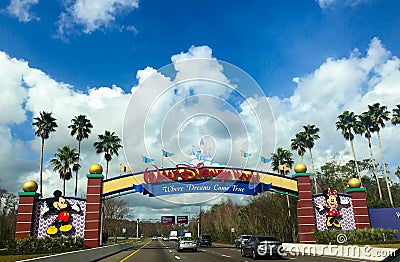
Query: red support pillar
[93, 210]
[305, 208]
[359, 199]
[25, 214]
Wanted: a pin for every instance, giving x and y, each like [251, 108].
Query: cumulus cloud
[193, 96]
[349, 83]
[325, 4]
[88, 16]
[20, 9]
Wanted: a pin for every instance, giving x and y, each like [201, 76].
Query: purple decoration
[385, 218]
[347, 220]
[41, 223]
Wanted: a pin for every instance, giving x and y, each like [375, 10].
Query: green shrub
[358, 236]
[43, 245]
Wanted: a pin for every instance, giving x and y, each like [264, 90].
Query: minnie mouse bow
[332, 193]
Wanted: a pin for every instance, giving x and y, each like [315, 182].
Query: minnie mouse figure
[332, 208]
[63, 209]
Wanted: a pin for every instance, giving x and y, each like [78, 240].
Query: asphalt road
[165, 251]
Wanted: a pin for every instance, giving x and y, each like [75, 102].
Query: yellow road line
[134, 252]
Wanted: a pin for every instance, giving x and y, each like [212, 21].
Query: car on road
[165, 238]
[185, 243]
[154, 238]
[205, 240]
[240, 240]
[395, 257]
[262, 246]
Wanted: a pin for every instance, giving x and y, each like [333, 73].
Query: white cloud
[350, 83]
[325, 4]
[89, 16]
[21, 9]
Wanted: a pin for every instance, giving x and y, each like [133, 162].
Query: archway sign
[201, 179]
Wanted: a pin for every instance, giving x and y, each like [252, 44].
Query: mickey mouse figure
[60, 205]
[333, 204]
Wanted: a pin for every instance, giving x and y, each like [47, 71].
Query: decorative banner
[339, 215]
[43, 219]
[167, 220]
[210, 186]
[167, 181]
[182, 219]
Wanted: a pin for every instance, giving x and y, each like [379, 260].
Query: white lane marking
[170, 251]
[343, 258]
[177, 257]
[225, 255]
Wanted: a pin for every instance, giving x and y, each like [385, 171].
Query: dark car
[395, 257]
[240, 240]
[262, 246]
[205, 240]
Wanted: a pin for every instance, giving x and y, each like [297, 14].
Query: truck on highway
[173, 235]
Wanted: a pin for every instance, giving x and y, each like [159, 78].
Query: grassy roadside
[12, 258]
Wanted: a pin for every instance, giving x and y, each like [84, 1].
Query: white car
[186, 243]
[154, 238]
[165, 238]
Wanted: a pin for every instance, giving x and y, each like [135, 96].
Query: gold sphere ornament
[354, 182]
[300, 168]
[30, 186]
[96, 169]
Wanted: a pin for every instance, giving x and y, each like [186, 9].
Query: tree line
[275, 214]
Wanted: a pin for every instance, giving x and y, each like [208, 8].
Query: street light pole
[137, 229]
[199, 224]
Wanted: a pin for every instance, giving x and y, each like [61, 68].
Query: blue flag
[145, 159]
[265, 160]
[167, 154]
[244, 154]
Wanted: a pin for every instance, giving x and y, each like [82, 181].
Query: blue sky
[270, 40]
[312, 59]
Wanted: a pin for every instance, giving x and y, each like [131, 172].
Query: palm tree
[80, 128]
[348, 123]
[63, 162]
[282, 158]
[282, 162]
[311, 134]
[380, 114]
[396, 115]
[365, 127]
[298, 144]
[109, 143]
[45, 124]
